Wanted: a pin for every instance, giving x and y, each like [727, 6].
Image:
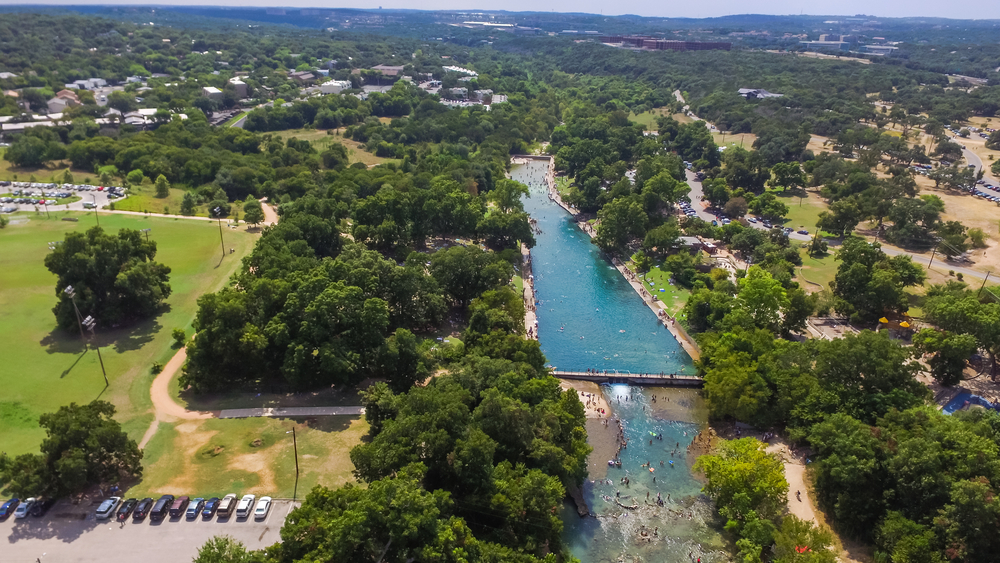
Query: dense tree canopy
[84, 446]
[114, 277]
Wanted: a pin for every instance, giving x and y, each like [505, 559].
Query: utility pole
[984, 284]
[295, 445]
[96, 216]
[932, 259]
[218, 215]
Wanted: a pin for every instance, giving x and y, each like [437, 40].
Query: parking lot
[70, 533]
[89, 196]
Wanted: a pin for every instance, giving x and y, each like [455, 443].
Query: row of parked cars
[176, 507]
[36, 507]
[978, 191]
[165, 506]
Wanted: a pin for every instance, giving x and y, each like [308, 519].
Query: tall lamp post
[96, 216]
[147, 233]
[218, 215]
[71, 293]
[90, 323]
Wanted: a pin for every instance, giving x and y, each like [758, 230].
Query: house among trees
[211, 92]
[757, 93]
[302, 76]
[388, 70]
[63, 99]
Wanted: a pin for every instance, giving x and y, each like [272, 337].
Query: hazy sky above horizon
[957, 9]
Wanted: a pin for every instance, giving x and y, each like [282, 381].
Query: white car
[107, 508]
[263, 505]
[245, 505]
[22, 509]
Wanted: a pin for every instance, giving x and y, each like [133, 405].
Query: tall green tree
[84, 446]
[115, 277]
[253, 212]
[162, 186]
[742, 477]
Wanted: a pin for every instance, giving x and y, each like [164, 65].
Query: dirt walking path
[165, 407]
[795, 471]
[270, 215]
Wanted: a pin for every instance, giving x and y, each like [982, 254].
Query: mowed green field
[45, 368]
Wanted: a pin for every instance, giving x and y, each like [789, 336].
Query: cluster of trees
[114, 277]
[869, 284]
[919, 484]
[893, 203]
[597, 149]
[309, 310]
[749, 488]
[84, 446]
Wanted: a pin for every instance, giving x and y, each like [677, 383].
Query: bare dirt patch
[257, 464]
[191, 439]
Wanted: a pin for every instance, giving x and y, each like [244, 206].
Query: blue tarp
[964, 399]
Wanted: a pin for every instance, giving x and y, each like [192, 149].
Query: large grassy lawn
[143, 199]
[673, 296]
[820, 270]
[803, 211]
[214, 457]
[648, 118]
[45, 368]
[321, 141]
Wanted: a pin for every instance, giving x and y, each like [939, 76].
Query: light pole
[218, 215]
[96, 216]
[69, 291]
[90, 323]
[295, 445]
[147, 233]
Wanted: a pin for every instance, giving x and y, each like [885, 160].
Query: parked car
[126, 508]
[195, 507]
[211, 505]
[107, 508]
[227, 505]
[162, 506]
[803, 232]
[42, 506]
[245, 506]
[8, 508]
[263, 506]
[751, 219]
[178, 506]
[142, 509]
[23, 508]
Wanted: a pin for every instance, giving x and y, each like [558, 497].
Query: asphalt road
[973, 158]
[71, 534]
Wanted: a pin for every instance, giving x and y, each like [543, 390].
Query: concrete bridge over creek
[665, 380]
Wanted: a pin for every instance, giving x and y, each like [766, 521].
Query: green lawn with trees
[48, 367]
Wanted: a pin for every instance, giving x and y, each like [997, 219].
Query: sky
[957, 9]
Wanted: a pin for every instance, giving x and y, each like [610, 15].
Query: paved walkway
[288, 412]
